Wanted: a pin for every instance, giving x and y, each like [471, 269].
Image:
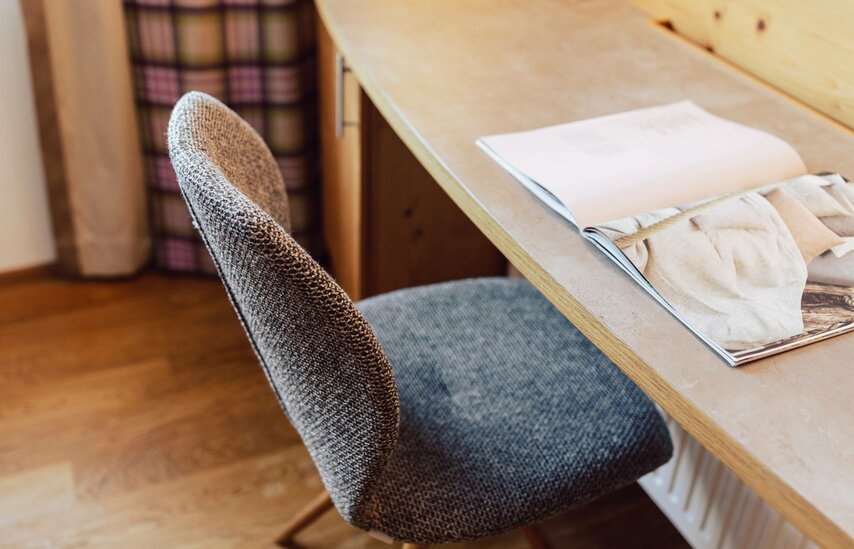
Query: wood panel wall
[805, 49]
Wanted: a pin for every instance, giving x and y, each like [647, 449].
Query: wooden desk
[444, 72]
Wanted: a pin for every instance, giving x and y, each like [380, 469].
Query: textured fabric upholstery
[323, 361]
[507, 414]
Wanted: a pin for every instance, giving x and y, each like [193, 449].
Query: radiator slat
[710, 505]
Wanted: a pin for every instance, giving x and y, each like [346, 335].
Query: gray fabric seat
[508, 413]
[433, 414]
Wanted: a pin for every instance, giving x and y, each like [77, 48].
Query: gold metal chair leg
[534, 538]
[308, 514]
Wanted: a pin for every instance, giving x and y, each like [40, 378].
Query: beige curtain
[89, 139]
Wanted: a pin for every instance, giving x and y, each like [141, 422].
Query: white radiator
[710, 506]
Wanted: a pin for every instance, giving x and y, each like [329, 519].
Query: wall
[25, 232]
[802, 48]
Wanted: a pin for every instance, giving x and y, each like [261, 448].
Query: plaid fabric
[257, 56]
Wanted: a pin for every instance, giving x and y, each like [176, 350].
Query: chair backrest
[324, 363]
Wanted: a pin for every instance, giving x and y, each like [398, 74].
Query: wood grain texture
[415, 234]
[445, 72]
[134, 414]
[387, 225]
[803, 48]
[305, 517]
[342, 190]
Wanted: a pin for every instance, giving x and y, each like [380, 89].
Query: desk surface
[444, 72]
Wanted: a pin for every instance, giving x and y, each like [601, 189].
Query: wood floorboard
[133, 414]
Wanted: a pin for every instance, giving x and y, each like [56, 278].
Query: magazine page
[753, 273]
[615, 166]
[540, 192]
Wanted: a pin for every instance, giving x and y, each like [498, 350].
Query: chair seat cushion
[508, 413]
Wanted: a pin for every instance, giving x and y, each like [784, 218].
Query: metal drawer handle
[340, 122]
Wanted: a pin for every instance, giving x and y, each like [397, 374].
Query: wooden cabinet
[387, 223]
[342, 190]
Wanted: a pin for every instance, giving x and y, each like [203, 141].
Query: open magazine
[720, 222]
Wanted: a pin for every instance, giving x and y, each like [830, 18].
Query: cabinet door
[343, 218]
[387, 223]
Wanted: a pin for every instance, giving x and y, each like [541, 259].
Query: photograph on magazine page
[756, 272]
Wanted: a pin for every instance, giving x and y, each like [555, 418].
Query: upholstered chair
[434, 414]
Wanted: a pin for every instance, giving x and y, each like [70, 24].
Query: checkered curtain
[257, 56]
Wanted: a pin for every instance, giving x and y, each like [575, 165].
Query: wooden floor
[133, 414]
